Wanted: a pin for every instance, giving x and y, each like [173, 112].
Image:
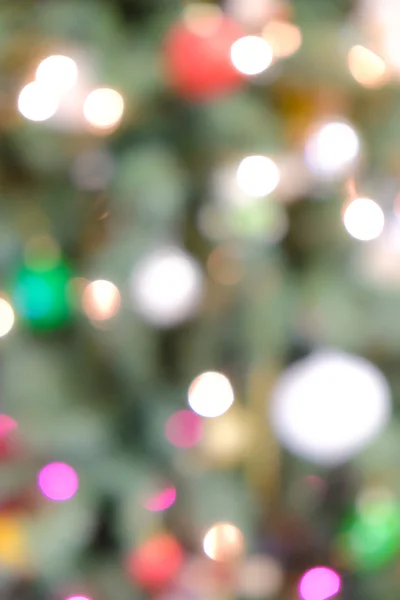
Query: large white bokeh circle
[167, 287]
[327, 407]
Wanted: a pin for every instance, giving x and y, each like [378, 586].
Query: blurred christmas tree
[200, 267]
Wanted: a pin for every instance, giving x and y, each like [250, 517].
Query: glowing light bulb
[329, 406]
[367, 68]
[251, 55]
[37, 102]
[257, 176]
[319, 583]
[284, 38]
[7, 317]
[101, 300]
[364, 219]
[223, 542]
[167, 287]
[103, 108]
[57, 72]
[58, 482]
[211, 395]
[184, 429]
[332, 149]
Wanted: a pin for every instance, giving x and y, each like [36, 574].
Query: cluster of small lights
[364, 219]
[332, 149]
[58, 482]
[211, 394]
[284, 38]
[251, 55]
[367, 68]
[257, 176]
[319, 583]
[7, 317]
[101, 300]
[223, 542]
[103, 108]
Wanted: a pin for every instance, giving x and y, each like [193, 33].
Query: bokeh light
[7, 317]
[167, 287]
[367, 68]
[92, 170]
[184, 429]
[58, 481]
[161, 501]
[58, 72]
[328, 406]
[103, 108]
[251, 55]
[257, 176]
[224, 266]
[37, 102]
[284, 38]
[7, 424]
[227, 439]
[211, 394]
[223, 542]
[364, 219]
[260, 577]
[319, 583]
[101, 300]
[332, 149]
[78, 598]
[203, 20]
[155, 562]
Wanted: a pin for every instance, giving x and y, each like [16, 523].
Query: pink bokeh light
[184, 429]
[7, 424]
[319, 583]
[78, 598]
[58, 482]
[161, 500]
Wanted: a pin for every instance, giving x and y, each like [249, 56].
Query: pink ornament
[58, 482]
[319, 583]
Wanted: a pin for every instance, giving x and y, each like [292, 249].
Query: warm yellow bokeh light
[223, 542]
[251, 55]
[364, 219]
[57, 72]
[332, 149]
[257, 176]
[103, 108]
[101, 300]
[7, 317]
[211, 394]
[284, 38]
[367, 68]
[37, 102]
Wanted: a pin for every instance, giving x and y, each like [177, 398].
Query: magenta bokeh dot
[58, 482]
[184, 429]
[161, 500]
[7, 424]
[78, 598]
[319, 583]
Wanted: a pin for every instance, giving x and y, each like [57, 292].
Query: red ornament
[198, 56]
[154, 564]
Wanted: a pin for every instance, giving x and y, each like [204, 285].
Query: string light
[211, 395]
[7, 317]
[57, 72]
[223, 542]
[319, 583]
[284, 38]
[37, 102]
[364, 219]
[257, 176]
[251, 55]
[332, 149]
[103, 108]
[329, 406]
[367, 68]
[101, 300]
[58, 482]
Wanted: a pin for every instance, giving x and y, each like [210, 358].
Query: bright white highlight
[103, 108]
[7, 317]
[257, 176]
[223, 542]
[251, 55]
[364, 219]
[167, 287]
[37, 102]
[332, 149]
[59, 73]
[101, 300]
[330, 405]
[211, 395]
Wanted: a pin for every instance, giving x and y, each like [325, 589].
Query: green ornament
[371, 536]
[41, 294]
